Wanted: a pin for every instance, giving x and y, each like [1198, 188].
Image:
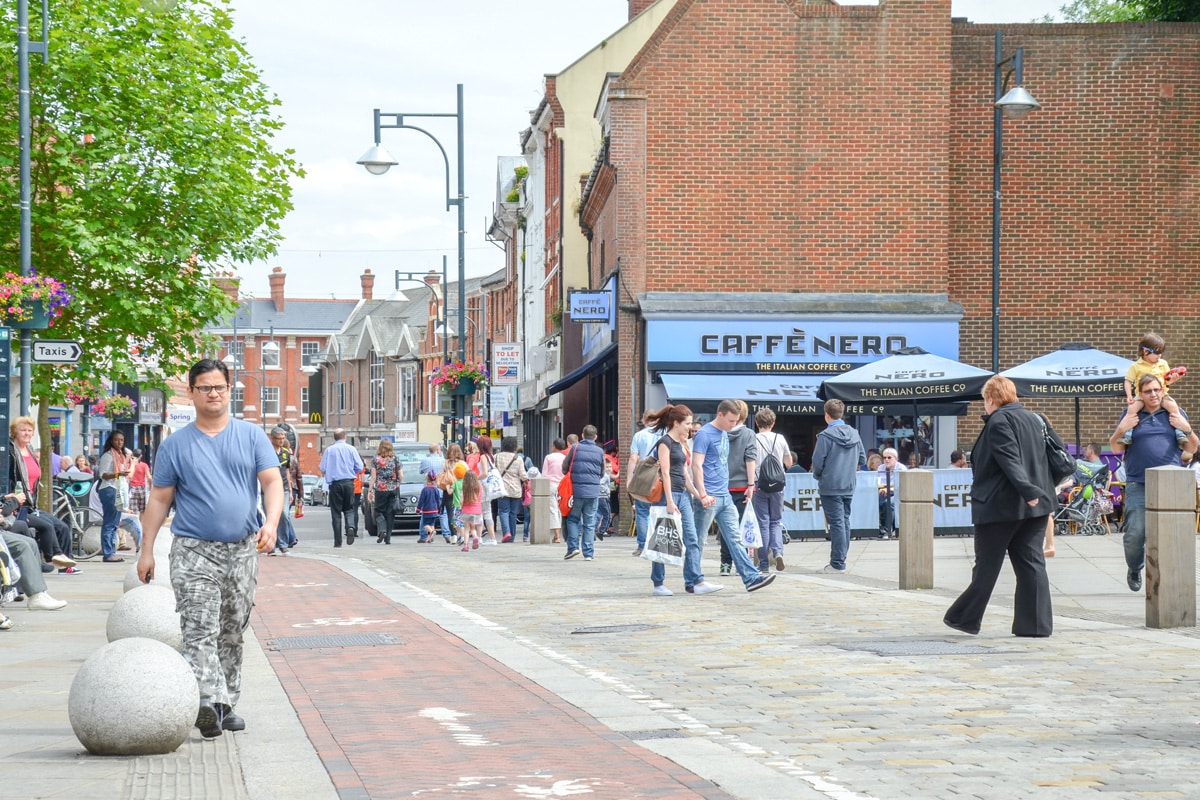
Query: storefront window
[915, 445]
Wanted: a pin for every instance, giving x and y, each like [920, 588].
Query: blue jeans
[603, 514]
[887, 513]
[691, 552]
[506, 510]
[112, 518]
[768, 508]
[725, 513]
[444, 519]
[837, 517]
[583, 511]
[1135, 526]
[642, 516]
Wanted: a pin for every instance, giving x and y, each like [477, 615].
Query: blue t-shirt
[713, 443]
[1153, 445]
[215, 479]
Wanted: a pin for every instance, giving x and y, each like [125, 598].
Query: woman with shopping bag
[672, 526]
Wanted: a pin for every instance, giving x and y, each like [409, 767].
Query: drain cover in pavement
[615, 628]
[332, 640]
[916, 648]
[660, 733]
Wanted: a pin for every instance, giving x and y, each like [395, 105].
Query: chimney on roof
[277, 277]
[228, 283]
[638, 6]
[368, 285]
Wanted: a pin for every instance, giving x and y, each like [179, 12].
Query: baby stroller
[1087, 505]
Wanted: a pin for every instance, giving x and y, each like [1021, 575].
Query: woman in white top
[552, 468]
[888, 472]
[768, 506]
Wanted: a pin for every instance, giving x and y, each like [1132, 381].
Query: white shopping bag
[664, 537]
[748, 532]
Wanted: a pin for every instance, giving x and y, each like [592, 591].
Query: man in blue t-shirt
[710, 473]
[641, 446]
[212, 471]
[1154, 444]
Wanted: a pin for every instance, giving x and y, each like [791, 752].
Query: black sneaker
[1134, 579]
[350, 537]
[208, 720]
[765, 580]
[229, 720]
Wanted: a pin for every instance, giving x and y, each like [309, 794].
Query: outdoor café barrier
[1170, 547]
[916, 529]
[542, 494]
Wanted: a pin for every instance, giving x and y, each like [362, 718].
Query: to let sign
[56, 351]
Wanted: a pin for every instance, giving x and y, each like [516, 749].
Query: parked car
[318, 495]
[307, 482]
[407, 519]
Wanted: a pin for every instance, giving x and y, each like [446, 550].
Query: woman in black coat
[1011, 495]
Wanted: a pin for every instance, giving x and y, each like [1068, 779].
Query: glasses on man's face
[1152, 391]
[1156, 350]
[220, 388]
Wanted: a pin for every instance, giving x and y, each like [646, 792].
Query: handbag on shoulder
[646, 484]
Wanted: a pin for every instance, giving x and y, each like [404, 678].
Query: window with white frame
[376, 388]
[408, 398]
[271, 401]
[237, 349]
[238, 396]
[270, 354]
[308, 351]
[304, 401]
[343, 391]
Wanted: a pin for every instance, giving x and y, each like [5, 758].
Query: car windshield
[309, 480]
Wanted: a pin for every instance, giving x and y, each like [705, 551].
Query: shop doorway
[801, 431]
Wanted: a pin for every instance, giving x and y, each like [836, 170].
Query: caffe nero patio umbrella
[910, 375]
[1075, 370]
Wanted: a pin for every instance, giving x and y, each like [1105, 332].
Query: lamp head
[1017, 102]
[377, 160]
[270, 347]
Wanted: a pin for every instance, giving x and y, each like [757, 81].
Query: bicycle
[65, 505]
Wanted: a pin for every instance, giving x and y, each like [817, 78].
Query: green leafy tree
[1132, 10]
[154, 165]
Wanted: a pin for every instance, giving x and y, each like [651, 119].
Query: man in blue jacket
[838, 456]
[585, 463]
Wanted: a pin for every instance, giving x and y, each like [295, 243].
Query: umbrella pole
[1079, 445]
[916, 433]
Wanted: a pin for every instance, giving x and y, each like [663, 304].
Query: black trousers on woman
[1021, 540]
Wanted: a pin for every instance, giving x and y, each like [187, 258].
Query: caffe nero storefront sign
[810, 347]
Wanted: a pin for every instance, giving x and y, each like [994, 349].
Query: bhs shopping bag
[664, 537]
[748, 532]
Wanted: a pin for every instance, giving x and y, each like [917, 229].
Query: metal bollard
[542, 492]
[1170, 548]
[916, 529]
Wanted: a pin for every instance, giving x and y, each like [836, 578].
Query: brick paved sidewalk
[396, 706]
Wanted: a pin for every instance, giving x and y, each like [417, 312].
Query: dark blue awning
[604, 360]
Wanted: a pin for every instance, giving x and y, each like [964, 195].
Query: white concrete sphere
[162, 575]
[147, 611]
[91, 540]
[133, 697]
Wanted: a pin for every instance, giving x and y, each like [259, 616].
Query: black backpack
[770, 473]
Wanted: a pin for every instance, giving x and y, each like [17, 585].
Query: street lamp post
[1016, 103]
[378, 161]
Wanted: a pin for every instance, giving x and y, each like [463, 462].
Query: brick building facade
[839, 159]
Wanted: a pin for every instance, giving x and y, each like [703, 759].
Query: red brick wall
[816, 140]
[1100, 213]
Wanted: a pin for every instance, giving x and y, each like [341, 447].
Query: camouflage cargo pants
[214, 585]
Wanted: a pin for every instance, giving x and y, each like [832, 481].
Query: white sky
[332, 63]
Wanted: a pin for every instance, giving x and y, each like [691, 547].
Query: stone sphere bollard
[133, 697]
[147, 611]
[161, 576]
[91, 540]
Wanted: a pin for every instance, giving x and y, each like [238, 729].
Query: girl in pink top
[552, 468]
[472, 510]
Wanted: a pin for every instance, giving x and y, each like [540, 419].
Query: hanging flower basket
[84, 391]
[116, 407]
[460, 378]
[31, 301]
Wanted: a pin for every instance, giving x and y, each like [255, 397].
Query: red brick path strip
[432, 715]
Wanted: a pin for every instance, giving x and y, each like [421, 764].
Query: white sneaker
[706, 588]
[42, 601]
[830, 568]
[662, 591]
[62, 561]
[489, 541]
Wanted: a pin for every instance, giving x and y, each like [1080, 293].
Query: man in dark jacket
[585, 464]
[839, 455]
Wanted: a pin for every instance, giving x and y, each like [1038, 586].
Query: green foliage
[154, 165]
[514, 196]
[1132, 10]
[522, 173]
